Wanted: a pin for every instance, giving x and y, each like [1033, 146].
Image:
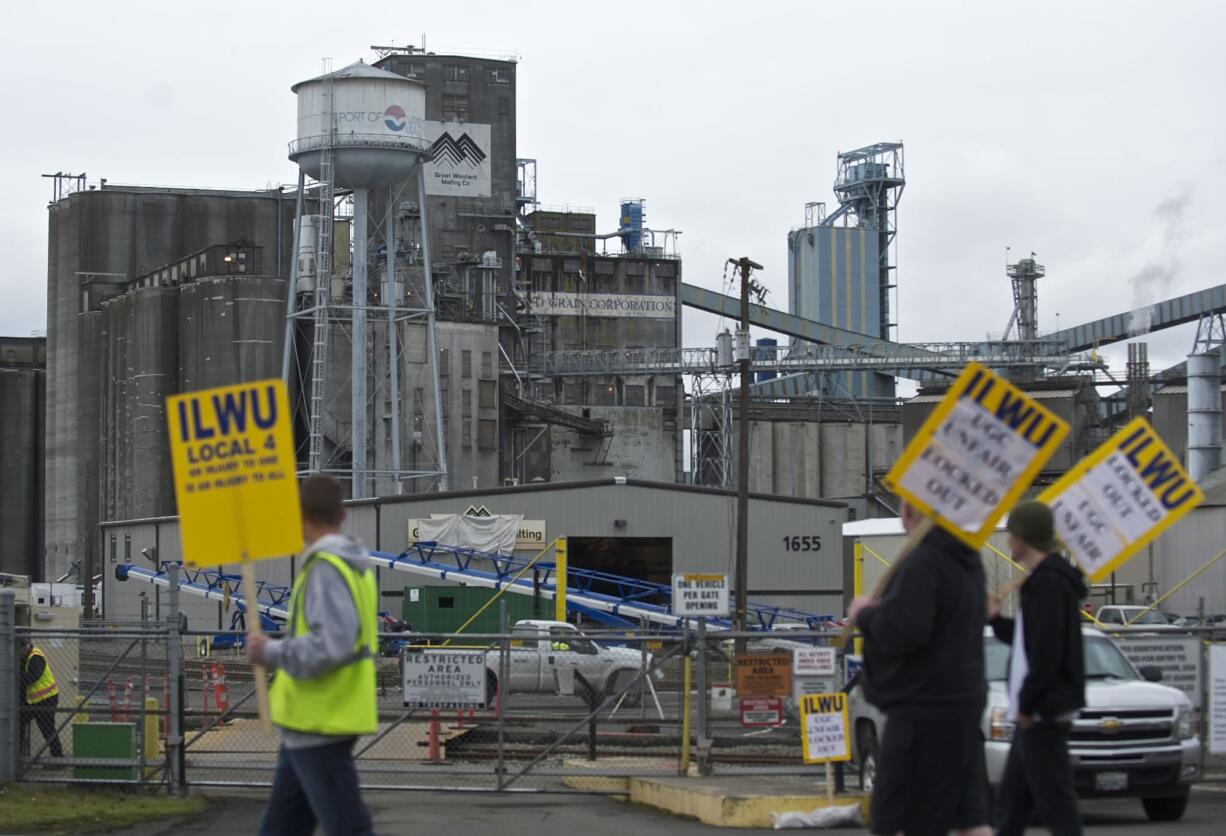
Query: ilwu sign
[459, 163]
[1119, 498]
[976, 454]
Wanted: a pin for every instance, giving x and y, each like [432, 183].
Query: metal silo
[153, 375]
[21, 393]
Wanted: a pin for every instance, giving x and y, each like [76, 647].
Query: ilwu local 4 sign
[976, 454]
[1119, 498]
[235, 487]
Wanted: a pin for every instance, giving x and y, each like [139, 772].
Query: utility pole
[740, 583]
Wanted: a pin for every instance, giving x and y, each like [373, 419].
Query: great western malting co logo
[454, 152]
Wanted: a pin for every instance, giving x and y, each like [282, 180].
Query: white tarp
[496, 533]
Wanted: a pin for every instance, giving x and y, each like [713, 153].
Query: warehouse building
[627, 527]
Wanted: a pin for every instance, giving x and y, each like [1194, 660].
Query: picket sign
[1119, 498]
[232, 451]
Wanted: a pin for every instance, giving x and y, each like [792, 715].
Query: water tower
[359, 129]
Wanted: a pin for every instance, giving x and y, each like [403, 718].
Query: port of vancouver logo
[447, 149]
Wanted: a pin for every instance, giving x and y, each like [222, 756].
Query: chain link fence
[556, 708]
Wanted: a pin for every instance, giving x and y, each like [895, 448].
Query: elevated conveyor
[610, 599]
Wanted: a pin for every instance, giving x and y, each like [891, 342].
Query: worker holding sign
[323, 695]
[1046, 677]
[924, 668]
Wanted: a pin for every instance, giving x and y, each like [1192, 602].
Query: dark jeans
[42, 713]
[1038, 777]
[316, 785]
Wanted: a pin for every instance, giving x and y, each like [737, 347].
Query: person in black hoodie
[1046, 678]
[923, 667]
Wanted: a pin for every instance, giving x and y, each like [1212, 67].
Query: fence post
[143, 725]
[702, 742]
[9, 706]
[174, 670]
[502, 693]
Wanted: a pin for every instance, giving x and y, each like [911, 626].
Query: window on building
[572, 393]
[414, 70]
[487, 364]
[487, 434]
[487, 394]
[504, 106]
[466, 402]
[604, 394]
[466, 363]
[444, 362]
[499, 76]
[455, 107]
[466, 432]
[635, 395]
[666, 395]
[455, 72]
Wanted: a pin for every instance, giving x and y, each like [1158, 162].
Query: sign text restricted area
[444, 679]
[976, 454]
[1119, 498]
[233, 457]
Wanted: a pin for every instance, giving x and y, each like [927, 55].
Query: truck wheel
[868, 758]
[491, 691]
[618, 682]
[1165, 809]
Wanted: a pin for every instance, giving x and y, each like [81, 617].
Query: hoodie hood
[966, 557]
[1057, 565]
[347, 548]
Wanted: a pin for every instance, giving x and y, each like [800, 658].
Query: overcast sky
[1090, 132]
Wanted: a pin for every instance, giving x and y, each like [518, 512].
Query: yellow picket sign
[233, 456]
[976, 454]
[1120, 498]
[823, 724]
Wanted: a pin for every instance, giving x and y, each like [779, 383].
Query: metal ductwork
[1204, 414]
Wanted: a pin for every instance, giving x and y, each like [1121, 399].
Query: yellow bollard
[857, 585]
[81, 715]
[685, 717]
[559, 581]
[152, 737]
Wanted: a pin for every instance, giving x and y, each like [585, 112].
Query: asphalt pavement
[534, 814]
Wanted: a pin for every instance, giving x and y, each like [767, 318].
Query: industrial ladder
[323, 289]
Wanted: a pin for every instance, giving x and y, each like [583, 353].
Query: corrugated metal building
[624, 526]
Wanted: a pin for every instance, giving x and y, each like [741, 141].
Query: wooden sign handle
[829, 785]
[914, 538]
[259, 675]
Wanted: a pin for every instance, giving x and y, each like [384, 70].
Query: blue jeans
[316, 785]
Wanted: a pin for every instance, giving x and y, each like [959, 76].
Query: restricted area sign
[444, 679]
[764, 674]
[233, 456]
[976, 454]
[1119, 498]
[761, 711]
[696, 596]
[823, 720]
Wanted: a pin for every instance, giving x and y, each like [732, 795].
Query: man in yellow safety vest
[323, 695]
[40, 696]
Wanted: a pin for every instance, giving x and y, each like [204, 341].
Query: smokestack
[1204, 414]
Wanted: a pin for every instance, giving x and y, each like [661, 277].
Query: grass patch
[30, 809]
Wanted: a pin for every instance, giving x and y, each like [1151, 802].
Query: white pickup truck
[541, 649]
[1134, 738]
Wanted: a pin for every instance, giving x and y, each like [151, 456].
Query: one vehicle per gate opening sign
[976, 454]
[233, 455]
[696, 596]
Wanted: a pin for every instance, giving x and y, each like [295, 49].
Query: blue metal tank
[768, 348]
[630, 227]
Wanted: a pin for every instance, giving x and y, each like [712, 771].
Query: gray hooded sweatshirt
[332, 621]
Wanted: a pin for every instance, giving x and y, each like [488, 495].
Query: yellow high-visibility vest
[343, 701]
[43, 688]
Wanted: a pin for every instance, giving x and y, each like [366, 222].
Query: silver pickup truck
[1134, 738]
[543, 653]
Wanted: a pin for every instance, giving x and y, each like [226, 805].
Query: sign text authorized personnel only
[233, 457]
[976, 454]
